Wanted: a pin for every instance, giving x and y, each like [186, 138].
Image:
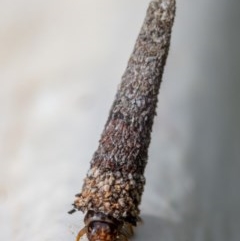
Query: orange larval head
[101, 227]
[101, 231]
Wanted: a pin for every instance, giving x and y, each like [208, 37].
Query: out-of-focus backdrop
[60, 64]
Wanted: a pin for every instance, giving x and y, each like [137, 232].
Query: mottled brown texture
[115, 181]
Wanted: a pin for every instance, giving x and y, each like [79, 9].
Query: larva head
[101, 231]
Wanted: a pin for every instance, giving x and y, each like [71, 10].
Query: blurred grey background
[60, 64]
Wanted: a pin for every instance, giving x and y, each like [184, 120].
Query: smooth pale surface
[60, 64]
